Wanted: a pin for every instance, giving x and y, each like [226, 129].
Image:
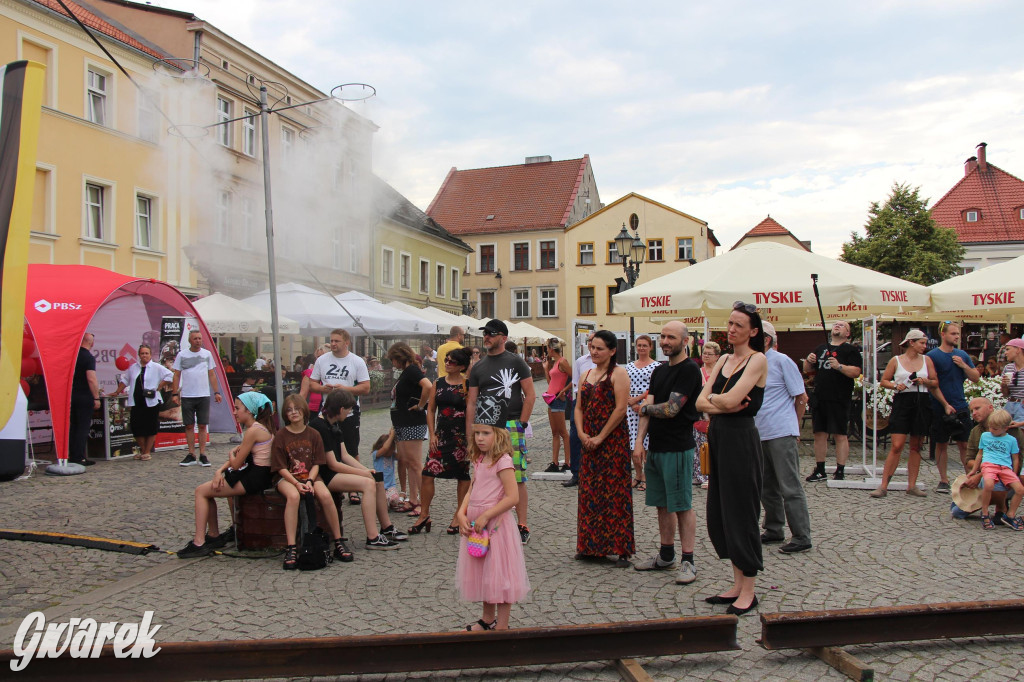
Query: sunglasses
[449, 361]
[488, 333]
[745, 307]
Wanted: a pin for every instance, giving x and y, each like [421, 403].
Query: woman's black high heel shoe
[291, 556]
[452, 530]
[421, 527]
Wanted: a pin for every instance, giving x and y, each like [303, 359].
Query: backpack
[315, 550]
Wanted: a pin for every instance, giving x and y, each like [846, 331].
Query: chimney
[969, 165]
[982, 164]
[538, 159]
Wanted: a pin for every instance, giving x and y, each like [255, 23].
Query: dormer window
[1021, 213]
[972, 216]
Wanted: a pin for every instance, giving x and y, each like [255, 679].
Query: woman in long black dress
[732, 396]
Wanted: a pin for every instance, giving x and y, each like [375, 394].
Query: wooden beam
[844, 662]
[631, 671]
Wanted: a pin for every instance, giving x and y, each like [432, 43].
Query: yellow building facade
[672, 239]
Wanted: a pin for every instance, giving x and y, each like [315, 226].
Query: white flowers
[882, 397]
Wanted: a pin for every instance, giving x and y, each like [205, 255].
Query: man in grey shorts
[195, 371]
[667, 415]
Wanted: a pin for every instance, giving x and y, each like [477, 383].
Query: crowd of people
[729, 422]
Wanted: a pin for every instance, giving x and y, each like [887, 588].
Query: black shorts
[911, 414]
[956, 432]
[831, 416]
[254, 479]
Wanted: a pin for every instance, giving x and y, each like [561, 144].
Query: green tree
[903, 241]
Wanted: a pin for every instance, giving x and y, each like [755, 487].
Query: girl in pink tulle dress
[498, 579]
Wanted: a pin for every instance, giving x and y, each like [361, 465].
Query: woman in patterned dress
[639, 372]
[712, 351]
[605, 516]
[446, 422]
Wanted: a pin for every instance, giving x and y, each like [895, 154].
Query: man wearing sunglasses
[500, 393]
[835, 365]
[953, 366]
[1011, 382]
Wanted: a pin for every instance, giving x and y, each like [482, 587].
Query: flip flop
[145, 458]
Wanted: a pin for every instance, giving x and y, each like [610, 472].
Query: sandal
[405, 506]
[415, 510]
[452, 530]
[484, 625]
[641, 486]
[353, 498]
[145, 458]
[138, 456]
[986, 523]
[342, 552]
[1017, 523]
[291, 558]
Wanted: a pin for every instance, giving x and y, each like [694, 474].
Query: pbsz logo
[44, 306]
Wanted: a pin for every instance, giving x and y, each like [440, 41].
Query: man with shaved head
[835, 365]
[667, 416]
[981, 410]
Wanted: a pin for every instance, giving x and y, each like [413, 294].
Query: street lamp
[631, 253]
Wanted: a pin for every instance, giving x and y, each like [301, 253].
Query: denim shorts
[557, 405]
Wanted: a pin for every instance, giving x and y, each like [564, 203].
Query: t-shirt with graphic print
[297, 452]
[499, 396]
[345, 372]
[998, 450]
[195, 372]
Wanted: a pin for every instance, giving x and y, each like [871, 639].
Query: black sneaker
[524, 534]
[228, 535]
[215, 543]
[942, 487]
[793, 548]
[203, 461]
[839, 476]
[190, 460]
[393, 534]
[553, 468]
[817, 476]
[190, 550]
[564, 468]
[381, 542]
[770, 539]
[571, 483]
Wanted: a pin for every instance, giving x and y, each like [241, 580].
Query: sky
[729, 111]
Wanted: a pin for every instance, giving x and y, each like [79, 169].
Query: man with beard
[952, 366]
[835, 364]
[667, 416]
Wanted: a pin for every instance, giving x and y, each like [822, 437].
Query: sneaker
[793, 548]
[916, 492]
[879, 492]
[942, 487]
[839, 476]
[524, 534]
[190, 550]
[203, 461]
[564, 468]
[655, 564]
[188, 461]
[552, 469]
[571, 483]
[770, 539]
[215, 543]
[381, 542]
[229, 535]
[687, 574]
[393, 534]
[816, 476]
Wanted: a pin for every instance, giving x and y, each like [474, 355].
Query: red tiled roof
[769, 227]
[999, 197]
[532, 196]
[100, 25]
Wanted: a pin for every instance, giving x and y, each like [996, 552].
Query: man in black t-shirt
[667, 415]
[835, 365]
[85, 399]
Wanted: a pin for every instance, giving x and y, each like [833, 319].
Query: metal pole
[271, 272]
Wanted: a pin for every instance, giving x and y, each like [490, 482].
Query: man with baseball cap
[778, 422]
[500, 393]
[1011, 383]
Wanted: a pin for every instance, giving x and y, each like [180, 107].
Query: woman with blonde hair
[639, 372]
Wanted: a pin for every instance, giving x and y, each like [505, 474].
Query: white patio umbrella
[995, 293]
[316, 312]
[383, 320]
[777, 279]
[443, 320]
[225, 315]
[528, 334]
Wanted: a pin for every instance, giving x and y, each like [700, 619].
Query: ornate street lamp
[631, 252]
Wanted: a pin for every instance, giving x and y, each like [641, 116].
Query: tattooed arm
[667, 409]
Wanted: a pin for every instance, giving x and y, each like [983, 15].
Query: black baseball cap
[495, 327]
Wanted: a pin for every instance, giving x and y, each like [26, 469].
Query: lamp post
[631, 253]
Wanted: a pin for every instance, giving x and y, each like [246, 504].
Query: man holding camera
[952, 366]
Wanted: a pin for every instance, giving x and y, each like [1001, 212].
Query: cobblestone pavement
[899, 550]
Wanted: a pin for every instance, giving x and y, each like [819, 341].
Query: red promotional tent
[60, 303]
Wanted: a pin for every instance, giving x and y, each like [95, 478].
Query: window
[287, 144]
[611, 292]
[336, 251]
[587, 254]
[613, 254]
[405, 271]
[965, 270]
[654, 250]
[486, 304]
[42, 201]
[96, 94]
[248, 223]
[521, 303]
[547, 255]
[586, 301]
[972, 216]
[455, 283]
[634, 222]
[424, 276]
[95, 212]
[1021, 214]
[684, 248]
[353, 251]
[143, 222]
[387, 268]
[249, 133]
[44, 54]
[224, 108]
[439, 283]
[222, 234]
[548, 305]
[149, 119]
[486, 258]
[521, 256]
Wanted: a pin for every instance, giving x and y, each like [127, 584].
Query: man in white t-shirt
[195, 371]
[579, 368]
[342, 369]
